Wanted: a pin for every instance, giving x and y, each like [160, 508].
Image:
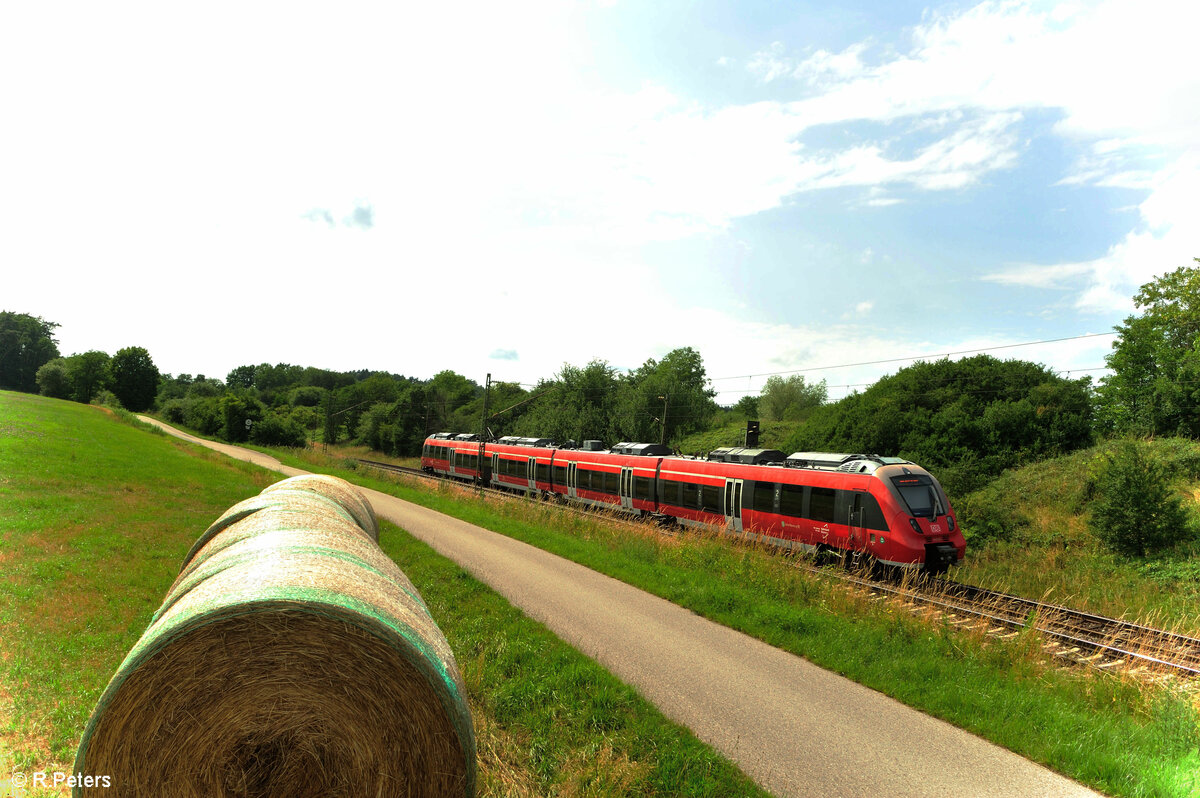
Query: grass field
[96, 515]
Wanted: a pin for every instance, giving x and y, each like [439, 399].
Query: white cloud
[1119, 72]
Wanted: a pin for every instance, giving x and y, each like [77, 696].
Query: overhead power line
[914, 357]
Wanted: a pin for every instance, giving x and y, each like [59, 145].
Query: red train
[885, 507]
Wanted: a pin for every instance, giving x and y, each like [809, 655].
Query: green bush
[277, 430]
[53, 379]
[174, 411]
[238, 413]
[991, 513]
[1135, 511]
[107, 398]
[201, 414]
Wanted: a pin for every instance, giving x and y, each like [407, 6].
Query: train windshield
[920, 494]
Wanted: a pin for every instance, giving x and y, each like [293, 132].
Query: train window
[611, 479]
[691, 495]
[919, 494]
[821, 504]
[764, 497]
[872, 517]
[791, 500]
[641, 488]
[711, 500]
[560, 475]
[583, 479]
[543, 472]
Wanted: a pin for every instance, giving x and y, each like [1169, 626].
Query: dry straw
[290, 658]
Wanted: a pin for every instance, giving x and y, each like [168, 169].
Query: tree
[446, 393]
[1155, 384]
[134, 378]
[53, 379]
[967, 419]
[241, 377]
[89, 373]
[236, 409]
[1135, 511]
[26, 344]
[579, 404]
[790, 399]
[748, 406]
[666, 398]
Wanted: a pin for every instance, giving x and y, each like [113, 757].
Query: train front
[923, 524]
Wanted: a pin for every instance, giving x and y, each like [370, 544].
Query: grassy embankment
[1027, 533]
[1121, 737]
[95, 516]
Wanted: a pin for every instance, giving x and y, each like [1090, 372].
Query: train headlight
[950, 521]
[913, 523]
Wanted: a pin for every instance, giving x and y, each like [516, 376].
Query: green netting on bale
[291, 661]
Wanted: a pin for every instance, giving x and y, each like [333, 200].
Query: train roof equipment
[852, 463]
[741, 454]
[465, 437]
[642, 449]
[516, 440]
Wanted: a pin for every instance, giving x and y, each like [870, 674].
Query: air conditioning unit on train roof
[592, 446]
[466, 437]
[739, 454]
[827, 461]
[641, 449]
[535, 442]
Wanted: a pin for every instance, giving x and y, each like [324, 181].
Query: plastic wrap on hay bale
[290, 658]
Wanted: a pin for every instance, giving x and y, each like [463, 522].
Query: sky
[503, 188]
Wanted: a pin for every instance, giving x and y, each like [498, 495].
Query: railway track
[1107, 644]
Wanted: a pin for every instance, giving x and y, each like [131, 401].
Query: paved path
[794, 728]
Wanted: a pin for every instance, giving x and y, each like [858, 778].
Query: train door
[733, 505]
[626, 489]
[532, 473]
[854, 522]
[572, 480]
[451, 461]
[495, 465]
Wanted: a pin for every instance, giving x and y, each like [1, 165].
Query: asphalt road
[794, 728]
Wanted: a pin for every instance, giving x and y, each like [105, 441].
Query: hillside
[1027, 533]
[772, 435]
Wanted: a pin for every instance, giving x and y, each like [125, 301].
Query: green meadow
[96, 514]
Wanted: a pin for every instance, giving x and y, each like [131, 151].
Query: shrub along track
[1070, 635]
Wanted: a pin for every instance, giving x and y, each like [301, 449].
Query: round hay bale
[297, 662]
[340, 491]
